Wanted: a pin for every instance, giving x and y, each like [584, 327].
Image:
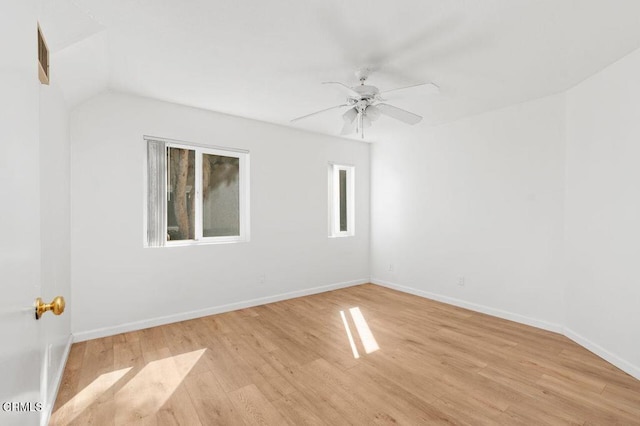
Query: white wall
[603, 213]
[55, 231]
[482, 199]
[536, 205]
[117, 284]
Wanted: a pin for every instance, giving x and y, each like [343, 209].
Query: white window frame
[243, 186]
[334, 200]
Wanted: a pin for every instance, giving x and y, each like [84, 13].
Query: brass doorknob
[56, 306]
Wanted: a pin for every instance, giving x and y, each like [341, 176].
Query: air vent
[43, 58]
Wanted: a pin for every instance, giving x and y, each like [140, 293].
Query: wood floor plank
[408, 407]
[229, 369]
[254, 407]
[628, 397]
[299, 411]
[69, 385]
[309, 400]
[595, 407]
[332, 388]
[292, 362]
[210, 401]
[179, 409]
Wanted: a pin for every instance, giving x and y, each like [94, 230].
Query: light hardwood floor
[291, 362]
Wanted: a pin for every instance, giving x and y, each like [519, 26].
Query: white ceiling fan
[366, 103]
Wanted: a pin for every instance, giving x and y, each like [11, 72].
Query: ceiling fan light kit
[366, 104]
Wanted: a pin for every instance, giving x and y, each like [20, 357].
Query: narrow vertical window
[341, 200]
[43, 58]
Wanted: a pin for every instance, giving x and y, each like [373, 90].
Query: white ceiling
[266, 59]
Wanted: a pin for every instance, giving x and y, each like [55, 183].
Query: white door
[20, 348]
[19, 264]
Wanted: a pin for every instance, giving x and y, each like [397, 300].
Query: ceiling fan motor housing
[366, 91]
[367, 95]
[363, 95]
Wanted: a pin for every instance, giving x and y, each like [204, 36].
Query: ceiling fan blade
[349, 90]
[399, 114]
[318, 112]
[433, 85]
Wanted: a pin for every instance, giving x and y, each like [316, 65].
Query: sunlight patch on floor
[146, 393]
[366, 336]
[89, 395]
[137, 396]
[349, 336]
[364, 332]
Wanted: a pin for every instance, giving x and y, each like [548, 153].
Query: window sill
[189, 243]
[342, 235]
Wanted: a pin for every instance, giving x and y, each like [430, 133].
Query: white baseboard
[153, 322]
[522, 319]
[48, 406]
[622, 364]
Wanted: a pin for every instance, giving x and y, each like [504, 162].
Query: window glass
[221, 196]
[343, 200]
[180, 194]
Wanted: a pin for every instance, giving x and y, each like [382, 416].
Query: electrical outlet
[262, 278]
[391, 267]
[461, 281]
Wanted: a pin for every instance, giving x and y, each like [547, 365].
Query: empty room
[321, 212]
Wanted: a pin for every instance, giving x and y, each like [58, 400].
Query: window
[341, 205]
[196, 194]
[43, 58]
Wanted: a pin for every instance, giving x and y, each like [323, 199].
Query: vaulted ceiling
[266, 59]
